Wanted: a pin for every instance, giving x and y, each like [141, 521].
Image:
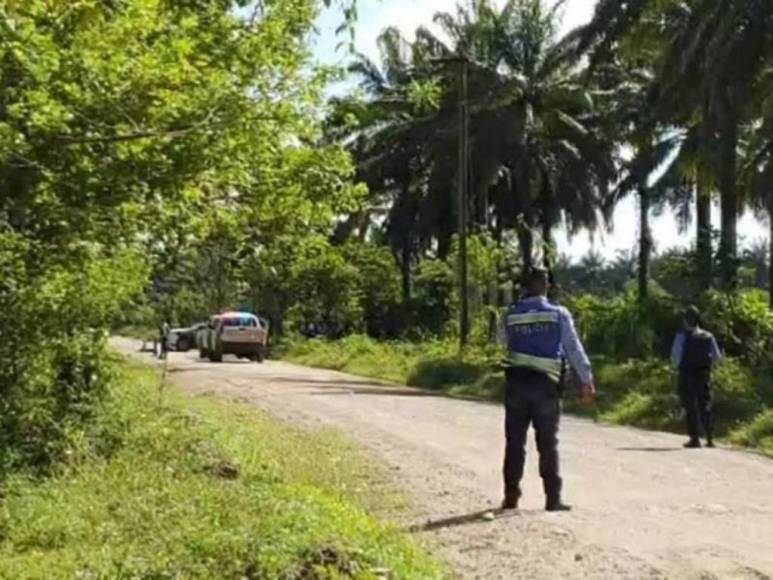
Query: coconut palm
[533, 117]
[708, 63]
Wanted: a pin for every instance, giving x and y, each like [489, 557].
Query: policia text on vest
[539, 337]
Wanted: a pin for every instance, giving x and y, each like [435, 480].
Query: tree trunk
[645, 243]
[548, 246]
[526, 243]
[770, 252]
[728, 246]
[703, 218]
[405, 269]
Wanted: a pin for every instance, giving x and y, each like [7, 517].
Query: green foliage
[434, 301]
[53, 323]
[640, 393]
[383, 312]
[200, 489]
[623, 327]
[326, 289]
[757, 434]
[178, 131]
[744, 324]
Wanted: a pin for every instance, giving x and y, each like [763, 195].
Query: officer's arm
[502, 329]
[573, 349]
[716, 354]
[676, 351]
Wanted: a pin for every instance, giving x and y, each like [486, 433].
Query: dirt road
[644, 508]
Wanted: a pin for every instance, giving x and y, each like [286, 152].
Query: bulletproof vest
[696, 353]
[534, 337]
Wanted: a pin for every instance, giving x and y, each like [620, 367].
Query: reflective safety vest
[533, 329]
[696, 352]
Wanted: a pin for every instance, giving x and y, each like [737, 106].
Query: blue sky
[407, 15]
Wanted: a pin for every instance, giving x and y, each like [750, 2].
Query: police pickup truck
[237, 333]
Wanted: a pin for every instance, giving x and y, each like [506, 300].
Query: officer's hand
[588, 394]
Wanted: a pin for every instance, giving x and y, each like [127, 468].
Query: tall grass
[636, 392]
[200, 488]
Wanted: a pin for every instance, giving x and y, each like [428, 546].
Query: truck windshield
[231, 322]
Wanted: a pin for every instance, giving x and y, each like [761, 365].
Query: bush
[736, 397]
[326, 289]
[434, 304]
[758, 433]
[743, 324]
[383, 312]
[623, 328]
[54, 324]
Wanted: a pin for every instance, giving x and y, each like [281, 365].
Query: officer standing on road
[694, 353]
[539, 335]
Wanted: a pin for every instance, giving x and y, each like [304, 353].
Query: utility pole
[463, 183]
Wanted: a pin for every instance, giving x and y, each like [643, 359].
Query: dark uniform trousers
[695, 394]
[531, 398]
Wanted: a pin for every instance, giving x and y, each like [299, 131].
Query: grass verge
[640, 393]
[200, 488]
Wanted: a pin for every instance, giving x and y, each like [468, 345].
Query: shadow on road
[650, 449]
[339, 388]
[479, 517]
[344, 382]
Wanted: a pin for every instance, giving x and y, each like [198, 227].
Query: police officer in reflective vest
[539, 336]
[694, 353]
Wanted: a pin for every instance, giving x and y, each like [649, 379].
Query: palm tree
[556, 161]
[708, 64]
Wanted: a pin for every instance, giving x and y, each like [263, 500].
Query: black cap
[535, 274]
[692, 315]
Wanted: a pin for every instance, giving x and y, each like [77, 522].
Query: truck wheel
[182, 345]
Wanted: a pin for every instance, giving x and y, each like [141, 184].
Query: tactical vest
[696, 353]
[534, 337]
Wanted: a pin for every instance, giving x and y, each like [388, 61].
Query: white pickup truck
[237, 333]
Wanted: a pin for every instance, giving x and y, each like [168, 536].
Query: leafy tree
[142, 127]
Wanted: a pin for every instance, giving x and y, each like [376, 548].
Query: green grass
[758, 433]
[640, 393]
[202, 488]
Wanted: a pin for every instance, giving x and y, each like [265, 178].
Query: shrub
[736, 398]
[380, 289]
[743, 324]
[54, 325]
[758, 433]
[326, 289]
[434, 301]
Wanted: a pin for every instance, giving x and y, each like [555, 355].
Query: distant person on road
[164, 331]
[693, 355]
[539, 336]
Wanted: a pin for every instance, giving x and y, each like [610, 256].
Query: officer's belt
[550, 367]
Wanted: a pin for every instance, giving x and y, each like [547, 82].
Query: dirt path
[644, 508]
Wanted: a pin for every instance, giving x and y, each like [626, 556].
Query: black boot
[693, 444]
[511, 500]
[710, 443]
[554, 504]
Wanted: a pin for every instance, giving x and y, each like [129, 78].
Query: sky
[407, 15]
